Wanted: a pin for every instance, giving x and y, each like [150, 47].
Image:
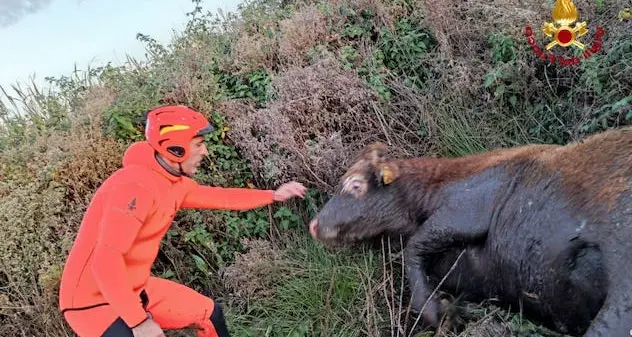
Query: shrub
[48, 186]
[320, 115]
[256, 272]
[300, 33]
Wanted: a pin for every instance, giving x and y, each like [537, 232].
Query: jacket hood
[142, 154]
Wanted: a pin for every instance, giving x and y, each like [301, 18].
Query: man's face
[198, 150]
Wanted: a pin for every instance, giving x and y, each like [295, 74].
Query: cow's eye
[354, 186]
[357, 188]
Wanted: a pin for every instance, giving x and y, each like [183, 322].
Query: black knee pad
[218, 320]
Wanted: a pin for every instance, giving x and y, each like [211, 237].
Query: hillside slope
[295, 88]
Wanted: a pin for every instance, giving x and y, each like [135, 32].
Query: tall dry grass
[429, 78]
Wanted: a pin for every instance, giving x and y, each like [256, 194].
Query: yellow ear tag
[387, 175]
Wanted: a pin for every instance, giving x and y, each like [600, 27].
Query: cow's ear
[378, 153]
[388, 173]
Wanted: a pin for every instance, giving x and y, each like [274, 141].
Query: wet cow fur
[545, 228]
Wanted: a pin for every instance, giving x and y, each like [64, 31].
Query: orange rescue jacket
[120, 233]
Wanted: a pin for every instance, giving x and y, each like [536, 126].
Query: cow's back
[562, 226]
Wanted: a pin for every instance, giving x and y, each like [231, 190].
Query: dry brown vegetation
[299, 34]
[255, 272]
[296, 89]
[315, 123]
[48, 186]
[254, 52]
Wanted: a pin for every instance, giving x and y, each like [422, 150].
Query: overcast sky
[12, 10]
[46, 37]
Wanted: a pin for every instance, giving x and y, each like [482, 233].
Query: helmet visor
[206, 130]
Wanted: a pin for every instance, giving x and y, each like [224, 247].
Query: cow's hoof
[429, 314]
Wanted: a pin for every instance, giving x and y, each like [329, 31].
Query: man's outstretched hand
[289, 190]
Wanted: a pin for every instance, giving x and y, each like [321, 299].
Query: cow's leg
[440, 232]
[615, 317]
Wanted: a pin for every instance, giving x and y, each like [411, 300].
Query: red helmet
[170, 129]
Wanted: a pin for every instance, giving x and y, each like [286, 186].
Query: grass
[319, 293]
[428, 78]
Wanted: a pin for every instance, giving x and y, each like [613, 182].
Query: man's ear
[388, 172]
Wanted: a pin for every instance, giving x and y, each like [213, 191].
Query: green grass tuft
[323, 293]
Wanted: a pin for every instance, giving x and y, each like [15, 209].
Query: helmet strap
[167, 167]
[181, 171]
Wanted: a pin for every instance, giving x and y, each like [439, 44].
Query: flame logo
[564, 14]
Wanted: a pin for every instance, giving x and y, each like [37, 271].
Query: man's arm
[124, 214]
[238, 199]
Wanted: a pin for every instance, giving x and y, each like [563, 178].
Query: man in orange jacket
[106, 289]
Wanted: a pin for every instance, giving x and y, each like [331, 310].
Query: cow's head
[366, 203]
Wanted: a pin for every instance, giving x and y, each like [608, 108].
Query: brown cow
[545, 228]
